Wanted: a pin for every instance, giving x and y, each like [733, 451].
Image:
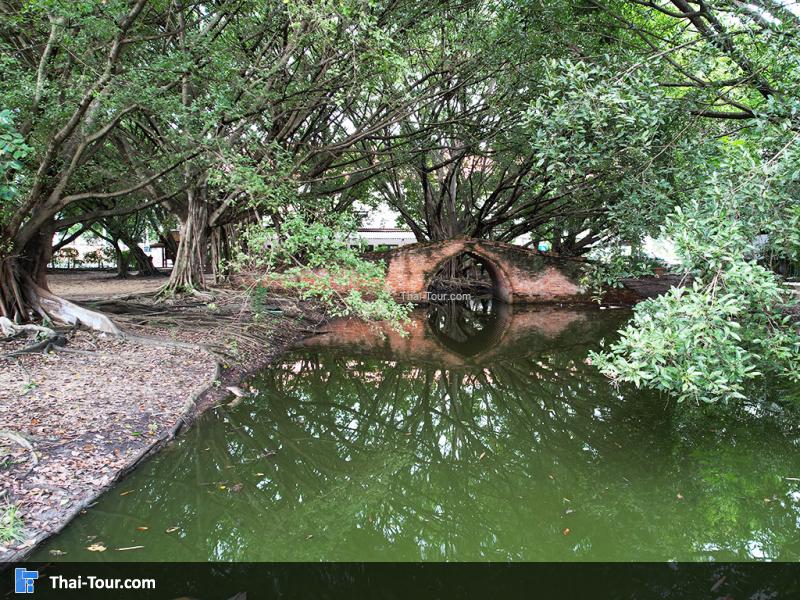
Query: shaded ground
[93, 411]
[85, 285]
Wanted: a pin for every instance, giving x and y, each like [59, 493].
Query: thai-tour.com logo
[435, 297]
[23, 580]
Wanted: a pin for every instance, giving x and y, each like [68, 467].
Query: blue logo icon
[23, 580]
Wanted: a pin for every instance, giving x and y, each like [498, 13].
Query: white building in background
[662, 249]
[382, 238]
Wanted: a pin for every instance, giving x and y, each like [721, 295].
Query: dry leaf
[679, 496]
[96, 548]
[130, 548]
[126, 493]
[172, 529]
[566, 531]
[482, 455]
[142, 528]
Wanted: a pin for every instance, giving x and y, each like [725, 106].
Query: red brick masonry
[521, 275]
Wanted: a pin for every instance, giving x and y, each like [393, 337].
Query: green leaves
[13, 150]
[319, 261]
[706, 341]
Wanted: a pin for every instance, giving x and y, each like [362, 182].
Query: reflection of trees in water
[470, 327]
[378, 460]
[388, 460]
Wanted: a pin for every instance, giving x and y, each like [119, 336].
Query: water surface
[480, 435]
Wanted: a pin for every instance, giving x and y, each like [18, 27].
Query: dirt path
[93, 412]
[89, 285]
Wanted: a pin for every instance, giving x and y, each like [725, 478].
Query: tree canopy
[581, 122]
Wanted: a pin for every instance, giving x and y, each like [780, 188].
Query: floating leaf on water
[96, 548]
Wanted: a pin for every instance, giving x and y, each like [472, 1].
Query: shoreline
[96, 412]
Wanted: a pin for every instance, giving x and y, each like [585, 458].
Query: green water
[480, 436]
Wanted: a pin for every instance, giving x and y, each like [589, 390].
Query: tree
[543, 139]
[70, 109]
[738, 203]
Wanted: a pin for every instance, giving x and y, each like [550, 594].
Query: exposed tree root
[13, 330]
[53, 339]
[21, 440]
[51, 306]
[57, 342]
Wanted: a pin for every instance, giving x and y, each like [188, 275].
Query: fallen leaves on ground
[81, 415]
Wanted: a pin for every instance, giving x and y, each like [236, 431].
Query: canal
[480, 435]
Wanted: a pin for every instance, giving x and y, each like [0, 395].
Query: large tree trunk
[190, 261]
[123, 264]
[144, 263]
[222, 238]
[24, 292]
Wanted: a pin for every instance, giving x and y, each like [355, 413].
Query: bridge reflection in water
[461, 334]
[480, 435]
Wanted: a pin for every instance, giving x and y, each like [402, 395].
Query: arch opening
[466, 295]
[469, 276]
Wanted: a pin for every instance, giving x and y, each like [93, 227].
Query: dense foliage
[318, 260]
[734, 322]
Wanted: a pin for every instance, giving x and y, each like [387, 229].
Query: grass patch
[11, 525]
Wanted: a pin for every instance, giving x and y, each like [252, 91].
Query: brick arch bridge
[519, 275]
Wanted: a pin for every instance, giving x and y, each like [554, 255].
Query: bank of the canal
[78, 421]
